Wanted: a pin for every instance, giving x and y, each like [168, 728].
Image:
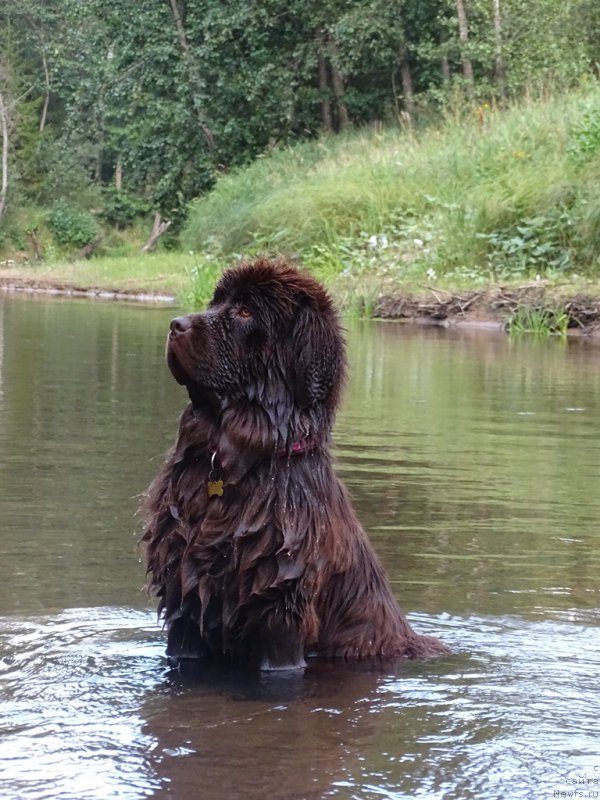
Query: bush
[72, 226]
[121, 209]
[63, 169]
[585, 136]
[534, 244]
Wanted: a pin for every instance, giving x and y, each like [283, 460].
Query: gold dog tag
[215, 488]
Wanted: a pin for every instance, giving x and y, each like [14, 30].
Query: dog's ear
[318, 356]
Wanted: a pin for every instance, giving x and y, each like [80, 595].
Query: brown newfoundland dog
[252, 545]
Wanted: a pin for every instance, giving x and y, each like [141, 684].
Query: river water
[473, 461]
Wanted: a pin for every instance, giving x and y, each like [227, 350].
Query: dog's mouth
[176, 359]
[186, 363]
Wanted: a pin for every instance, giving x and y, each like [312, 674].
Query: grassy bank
[155, 273]
[498, 195]
[491, 197]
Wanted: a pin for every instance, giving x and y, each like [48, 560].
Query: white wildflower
[378, 241]
[431, 274]
[418, 242]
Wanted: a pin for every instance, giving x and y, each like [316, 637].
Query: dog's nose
[180, 324]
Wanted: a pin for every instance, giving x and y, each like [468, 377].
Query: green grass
[538, 321]
[516, 197]
[157, 273]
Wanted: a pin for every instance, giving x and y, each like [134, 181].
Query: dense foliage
[128, 108]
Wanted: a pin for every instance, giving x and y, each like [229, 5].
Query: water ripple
[90, 711]
[71, 689]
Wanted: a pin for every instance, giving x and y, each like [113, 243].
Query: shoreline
[489, 308]
[24, 286]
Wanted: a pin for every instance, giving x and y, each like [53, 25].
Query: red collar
[296, 449]
[215, 483]
[301, 446]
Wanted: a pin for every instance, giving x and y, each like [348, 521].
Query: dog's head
[270, 336]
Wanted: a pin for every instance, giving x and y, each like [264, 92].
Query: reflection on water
[473, 463]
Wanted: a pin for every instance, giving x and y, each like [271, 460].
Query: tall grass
[469, 197]
[538, 321]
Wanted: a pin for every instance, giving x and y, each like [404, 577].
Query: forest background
[417, 138]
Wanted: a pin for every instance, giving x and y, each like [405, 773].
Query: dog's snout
[180, 324]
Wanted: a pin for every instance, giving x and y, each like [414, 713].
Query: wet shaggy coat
[277, 568]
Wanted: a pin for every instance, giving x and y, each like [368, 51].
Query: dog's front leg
[279, 644]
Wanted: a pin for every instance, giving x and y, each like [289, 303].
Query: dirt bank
[575, 311]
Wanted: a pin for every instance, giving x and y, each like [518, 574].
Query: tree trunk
[158, 228]
[87, 250]
[407, 84]
[193, 75]
[4, 127]
[337, 84]
[99, 153]
[463, 35]
[326, 115]
[35, 245]
[445, 69]
[445, 61]
[500, 66]
[119, 175]
[47, 94]
[42, 46]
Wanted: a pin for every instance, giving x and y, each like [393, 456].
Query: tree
[194, 76]
[499, 54]
[5, 124]
[334, 112]
[463, 35]
[138, 107]
[10, 98]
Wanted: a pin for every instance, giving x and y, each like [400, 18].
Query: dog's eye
[243, 313]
